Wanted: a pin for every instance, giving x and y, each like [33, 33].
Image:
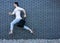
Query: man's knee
[11, 23]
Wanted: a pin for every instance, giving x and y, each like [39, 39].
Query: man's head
[16, 4]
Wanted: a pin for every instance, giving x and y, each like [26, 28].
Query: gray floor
[31, 41]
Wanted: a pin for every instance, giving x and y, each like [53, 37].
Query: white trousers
[16, 21]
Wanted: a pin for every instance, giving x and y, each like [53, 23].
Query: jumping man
[17, 12]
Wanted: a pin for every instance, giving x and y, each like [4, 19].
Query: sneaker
[10, 32]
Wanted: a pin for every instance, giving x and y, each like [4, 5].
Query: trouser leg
[27, 28]
[13, 22]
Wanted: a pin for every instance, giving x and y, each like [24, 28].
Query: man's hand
[9, 13]
[24, 16]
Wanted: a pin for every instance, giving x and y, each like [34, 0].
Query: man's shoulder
[20, 8]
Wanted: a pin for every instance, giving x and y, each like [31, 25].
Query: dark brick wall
[43, 16]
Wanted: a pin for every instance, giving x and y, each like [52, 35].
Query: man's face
[14, 5]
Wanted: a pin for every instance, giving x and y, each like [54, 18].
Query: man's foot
[10, 32]
[31, 31]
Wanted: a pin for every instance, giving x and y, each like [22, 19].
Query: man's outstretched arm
[12, 13]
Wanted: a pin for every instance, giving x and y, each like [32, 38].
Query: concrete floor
[31, 41]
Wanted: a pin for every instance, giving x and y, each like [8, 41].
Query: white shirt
[17, 12]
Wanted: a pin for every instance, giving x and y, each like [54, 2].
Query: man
[17, 12]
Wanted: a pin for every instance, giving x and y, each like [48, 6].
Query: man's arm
[24, 12]
[12, 13]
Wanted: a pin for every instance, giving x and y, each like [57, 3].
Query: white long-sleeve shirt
[17, 12]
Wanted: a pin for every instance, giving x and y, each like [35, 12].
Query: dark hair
[16, 3]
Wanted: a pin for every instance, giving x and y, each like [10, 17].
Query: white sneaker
[10, 32]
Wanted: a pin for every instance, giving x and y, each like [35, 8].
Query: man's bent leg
[27, 28]
[12, 24]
